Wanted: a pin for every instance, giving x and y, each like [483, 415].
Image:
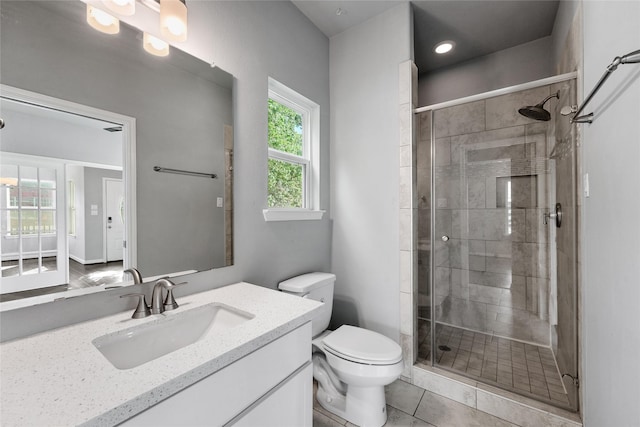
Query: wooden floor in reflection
[80, 276]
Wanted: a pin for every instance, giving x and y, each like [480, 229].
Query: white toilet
[352, 365]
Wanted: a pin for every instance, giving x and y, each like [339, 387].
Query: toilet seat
[362, 346]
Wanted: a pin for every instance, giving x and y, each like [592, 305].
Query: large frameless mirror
[99, 149]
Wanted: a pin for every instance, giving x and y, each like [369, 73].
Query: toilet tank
[318, 287]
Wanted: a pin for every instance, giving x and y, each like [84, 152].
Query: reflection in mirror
[62, 212]
[181, 118]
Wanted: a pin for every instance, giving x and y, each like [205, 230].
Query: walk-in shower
[497, 281]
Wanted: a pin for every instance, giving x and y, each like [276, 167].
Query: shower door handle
[557, 215]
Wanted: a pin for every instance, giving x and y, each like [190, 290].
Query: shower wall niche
[482, 202]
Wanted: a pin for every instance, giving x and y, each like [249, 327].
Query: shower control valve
[557, 215]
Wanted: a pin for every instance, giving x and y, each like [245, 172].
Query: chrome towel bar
[629, 58]
[183, 172]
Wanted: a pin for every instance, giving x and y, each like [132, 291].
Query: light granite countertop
[60, 378]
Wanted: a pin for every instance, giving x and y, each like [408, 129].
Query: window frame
[310, 159]
[19, 208]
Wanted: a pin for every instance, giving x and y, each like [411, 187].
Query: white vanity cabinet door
[218, 398]
[291, 404]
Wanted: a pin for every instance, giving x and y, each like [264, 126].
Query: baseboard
[86, 261]
[28, 255]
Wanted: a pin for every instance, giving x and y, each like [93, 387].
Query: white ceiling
[478, 27]
[323, 13]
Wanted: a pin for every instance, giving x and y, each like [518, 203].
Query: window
[29, 201]
[293, 164]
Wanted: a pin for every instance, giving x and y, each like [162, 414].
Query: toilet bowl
[351, 364]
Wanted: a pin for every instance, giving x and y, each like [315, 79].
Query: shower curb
[508, 406]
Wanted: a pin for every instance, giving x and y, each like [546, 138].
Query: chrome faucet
[157, 304]
[137, 277]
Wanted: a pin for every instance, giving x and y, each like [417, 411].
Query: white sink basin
[135, 346]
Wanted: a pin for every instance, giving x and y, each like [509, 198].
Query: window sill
[291, 214]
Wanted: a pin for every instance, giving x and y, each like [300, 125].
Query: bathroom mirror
[179, 110]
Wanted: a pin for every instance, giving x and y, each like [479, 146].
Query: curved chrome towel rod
[629, 58]
[183, 172]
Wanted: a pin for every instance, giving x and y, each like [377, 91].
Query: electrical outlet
[219, 202]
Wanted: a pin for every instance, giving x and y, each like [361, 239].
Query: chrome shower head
[537, 112]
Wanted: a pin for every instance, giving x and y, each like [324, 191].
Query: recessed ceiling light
[444, 47]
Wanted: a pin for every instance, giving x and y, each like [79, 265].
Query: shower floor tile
[528, 369]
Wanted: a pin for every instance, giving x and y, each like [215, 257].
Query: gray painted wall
[519, 64]
[365, 169]
[611, 229]
[251, 40]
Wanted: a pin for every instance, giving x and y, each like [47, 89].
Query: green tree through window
[286, 179]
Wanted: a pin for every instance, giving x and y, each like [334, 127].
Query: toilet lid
[362, 346]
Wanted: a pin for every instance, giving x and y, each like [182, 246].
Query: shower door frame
[575, 405]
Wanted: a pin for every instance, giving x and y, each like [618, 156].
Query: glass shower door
[494, 257]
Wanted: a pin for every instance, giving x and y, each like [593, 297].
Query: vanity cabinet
[272, 386]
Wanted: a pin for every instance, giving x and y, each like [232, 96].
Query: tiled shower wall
[492, 188]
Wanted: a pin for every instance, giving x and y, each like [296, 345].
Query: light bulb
[154, 45]
[123, 7]
[173, 20]
[103, 18]
[444, 47]
[175, 26]
[102, 21]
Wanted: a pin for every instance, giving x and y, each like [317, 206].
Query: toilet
[352, 365]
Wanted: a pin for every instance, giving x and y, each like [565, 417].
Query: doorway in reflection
[61, 201]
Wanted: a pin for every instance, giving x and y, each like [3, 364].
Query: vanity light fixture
[444, 47]
[154, 45]
[102, 21]
[173, 20]
[122, 7]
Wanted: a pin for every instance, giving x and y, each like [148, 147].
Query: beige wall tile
[502, 111]
[405, 197]
[460, 119]
[455, 390]
[406, 124]
[406, 229]
[406, 313]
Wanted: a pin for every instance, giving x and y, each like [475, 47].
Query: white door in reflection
[33, 225]
[114, 218]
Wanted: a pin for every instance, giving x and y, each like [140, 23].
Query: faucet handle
[170, 302]
[142, 310]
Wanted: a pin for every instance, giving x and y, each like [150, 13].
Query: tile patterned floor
[411, 406]
[523, 368]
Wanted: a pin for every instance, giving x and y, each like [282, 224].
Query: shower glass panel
[502, 305]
